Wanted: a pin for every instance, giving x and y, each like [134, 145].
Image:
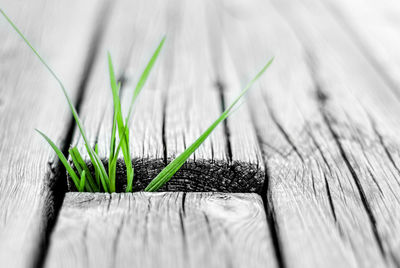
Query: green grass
[105, 181]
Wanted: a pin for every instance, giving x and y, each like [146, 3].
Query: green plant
[103, 180]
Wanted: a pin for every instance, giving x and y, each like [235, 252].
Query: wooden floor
[306, 174]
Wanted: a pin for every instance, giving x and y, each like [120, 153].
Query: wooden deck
[306, 174]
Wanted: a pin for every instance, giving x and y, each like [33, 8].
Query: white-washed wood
[161, 230]
[361, 111]
[374, 28]
[194, 102]
[181, 95]
[321, 114]
[131, 36]
[29, 99]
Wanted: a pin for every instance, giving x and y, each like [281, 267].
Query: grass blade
[75, 161]
[96, 172]
[166, 174]
[82, 184]
[63, 160]
[91, 185]
[78, 168]
[144, 76]
[95, 160]
[123, 131]
[124, 140]
[113, 138]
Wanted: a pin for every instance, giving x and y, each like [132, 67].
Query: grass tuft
[106, 181]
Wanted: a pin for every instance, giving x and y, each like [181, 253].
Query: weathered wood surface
[161, 230]
[30, 99]
[328, 123]
[326, 115]
[374, 28]
[184, 95]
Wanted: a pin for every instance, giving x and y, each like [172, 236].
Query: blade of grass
[95, 159]
[63, 160]
[143, 77]
[78, 168]
[75, 154]
[122, 130]
[96, 172]
[138, 88]
[75, 161]
[82, 184]
[166, 174]
[113, 138]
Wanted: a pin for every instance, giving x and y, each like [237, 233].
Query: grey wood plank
[161, 229]
[29, 99]
[326, 119]
[183, 97]
[374, 28]
[134, 31]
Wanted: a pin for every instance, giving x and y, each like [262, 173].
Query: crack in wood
[269, 205]
[326, 118]
[221, 88]
[58, 178]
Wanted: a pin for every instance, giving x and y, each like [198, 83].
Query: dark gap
[182, 215]
[271, 220]
[268, 203]
[58, 177]
[328, 192]
[382, 143]
[221, 87]
[311, 135]
[164, 139]
[284, 133]
[174, 14]
[183, 203]
[354, 175]
[322, 99]
[208, 224]
[122, 79]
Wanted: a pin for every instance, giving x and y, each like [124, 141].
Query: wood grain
[29, 99]
[325, 118]
[161, 229]
[184, 95]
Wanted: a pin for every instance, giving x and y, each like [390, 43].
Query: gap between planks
[29, 189]
[332, 183]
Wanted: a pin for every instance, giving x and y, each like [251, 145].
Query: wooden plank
[374, 28]
[161, 230]
[131, 39]
[326, 119]
[29, 99]
[183, 97]
[363, 121]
